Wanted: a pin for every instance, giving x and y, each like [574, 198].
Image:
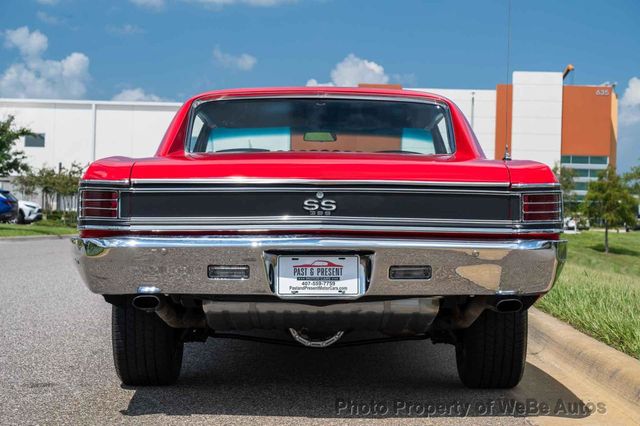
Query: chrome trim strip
[399, 189]
[321, 227]
[294, 242]
[303, 219]
[421, 98]
[241, 180]
[536, 185]
[104, 182]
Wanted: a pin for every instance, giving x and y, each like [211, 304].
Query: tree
[566, 177]
[11, 161]
[609, 199]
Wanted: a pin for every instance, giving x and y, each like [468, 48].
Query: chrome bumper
[178, 265]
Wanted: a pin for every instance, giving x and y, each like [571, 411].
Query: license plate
[318, 276]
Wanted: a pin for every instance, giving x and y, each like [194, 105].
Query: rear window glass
[316, 124]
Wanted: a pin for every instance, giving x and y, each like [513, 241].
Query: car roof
[320, 91]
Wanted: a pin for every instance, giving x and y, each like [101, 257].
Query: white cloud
[136, 95]
[630, 103]
[37, 77]
[126, 29]
[155, 5]
[353, 70]
[47, 2]
[242, 62]
[312, 82]
[48, 19]
[30, 44]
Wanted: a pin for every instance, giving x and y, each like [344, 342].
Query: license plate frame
[301, 273]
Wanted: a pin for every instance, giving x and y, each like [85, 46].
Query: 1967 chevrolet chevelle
[319, 212]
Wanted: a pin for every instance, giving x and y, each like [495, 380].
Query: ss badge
[319, 206]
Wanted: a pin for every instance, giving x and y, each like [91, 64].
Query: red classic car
[206, 238]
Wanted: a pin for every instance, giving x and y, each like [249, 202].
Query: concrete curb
[609, 367]
[37, 237]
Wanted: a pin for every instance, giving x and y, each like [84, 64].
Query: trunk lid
[322, 166]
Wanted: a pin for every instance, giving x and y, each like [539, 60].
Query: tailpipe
[166, 310]
[509, 305]
[146, 302]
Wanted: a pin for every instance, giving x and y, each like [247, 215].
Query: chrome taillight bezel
[541, 207]
[92, 201]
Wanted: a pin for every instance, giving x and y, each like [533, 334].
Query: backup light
[422, 272]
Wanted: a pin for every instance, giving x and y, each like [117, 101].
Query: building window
[581, 186]
[598, 160]
[581, 172]
[579, 159]
[35, 140]
[565, 159]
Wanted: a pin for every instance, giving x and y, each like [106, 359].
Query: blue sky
[172, 49]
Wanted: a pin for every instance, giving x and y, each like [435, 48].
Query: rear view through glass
[317, 124]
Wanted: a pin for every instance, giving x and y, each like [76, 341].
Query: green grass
[598, 293]
[34, 229]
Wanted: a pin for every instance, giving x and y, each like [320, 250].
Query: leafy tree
[11, 161]
[61, 184]
[608, 199]
[566, 176]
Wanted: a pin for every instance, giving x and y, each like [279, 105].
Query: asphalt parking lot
[56, 367]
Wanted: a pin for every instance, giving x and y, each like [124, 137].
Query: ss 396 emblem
[319, 206]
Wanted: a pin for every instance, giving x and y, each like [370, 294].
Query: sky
[173, 49]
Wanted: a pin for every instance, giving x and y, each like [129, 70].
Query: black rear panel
[355, 204]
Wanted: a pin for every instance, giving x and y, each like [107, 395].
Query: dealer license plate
[323, 276]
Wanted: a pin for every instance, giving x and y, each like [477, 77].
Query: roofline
[317, 91]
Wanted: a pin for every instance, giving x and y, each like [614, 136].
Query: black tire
[146, 351]
[491, 353]
[20, 218]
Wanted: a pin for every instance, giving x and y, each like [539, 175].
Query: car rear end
[304, 217]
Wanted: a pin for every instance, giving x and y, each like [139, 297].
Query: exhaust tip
[509, 305]
[147, 303]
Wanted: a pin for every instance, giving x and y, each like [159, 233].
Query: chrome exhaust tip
[146, 302]
[509, 305]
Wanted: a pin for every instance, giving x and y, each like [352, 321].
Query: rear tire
[20, 219]
[492, 352]
[146, 351]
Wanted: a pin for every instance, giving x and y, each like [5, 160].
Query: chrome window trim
[196, 103]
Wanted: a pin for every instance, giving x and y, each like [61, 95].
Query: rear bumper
[178, 265]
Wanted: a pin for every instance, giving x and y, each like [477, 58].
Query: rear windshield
[338, 125]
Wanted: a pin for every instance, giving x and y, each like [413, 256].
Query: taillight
[96, 203]
[542, 207]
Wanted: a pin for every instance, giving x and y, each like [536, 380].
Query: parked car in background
[28, 212]
[8, 206]
[570, 224]
[320, 211]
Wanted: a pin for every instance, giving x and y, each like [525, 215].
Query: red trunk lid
[322, 166]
